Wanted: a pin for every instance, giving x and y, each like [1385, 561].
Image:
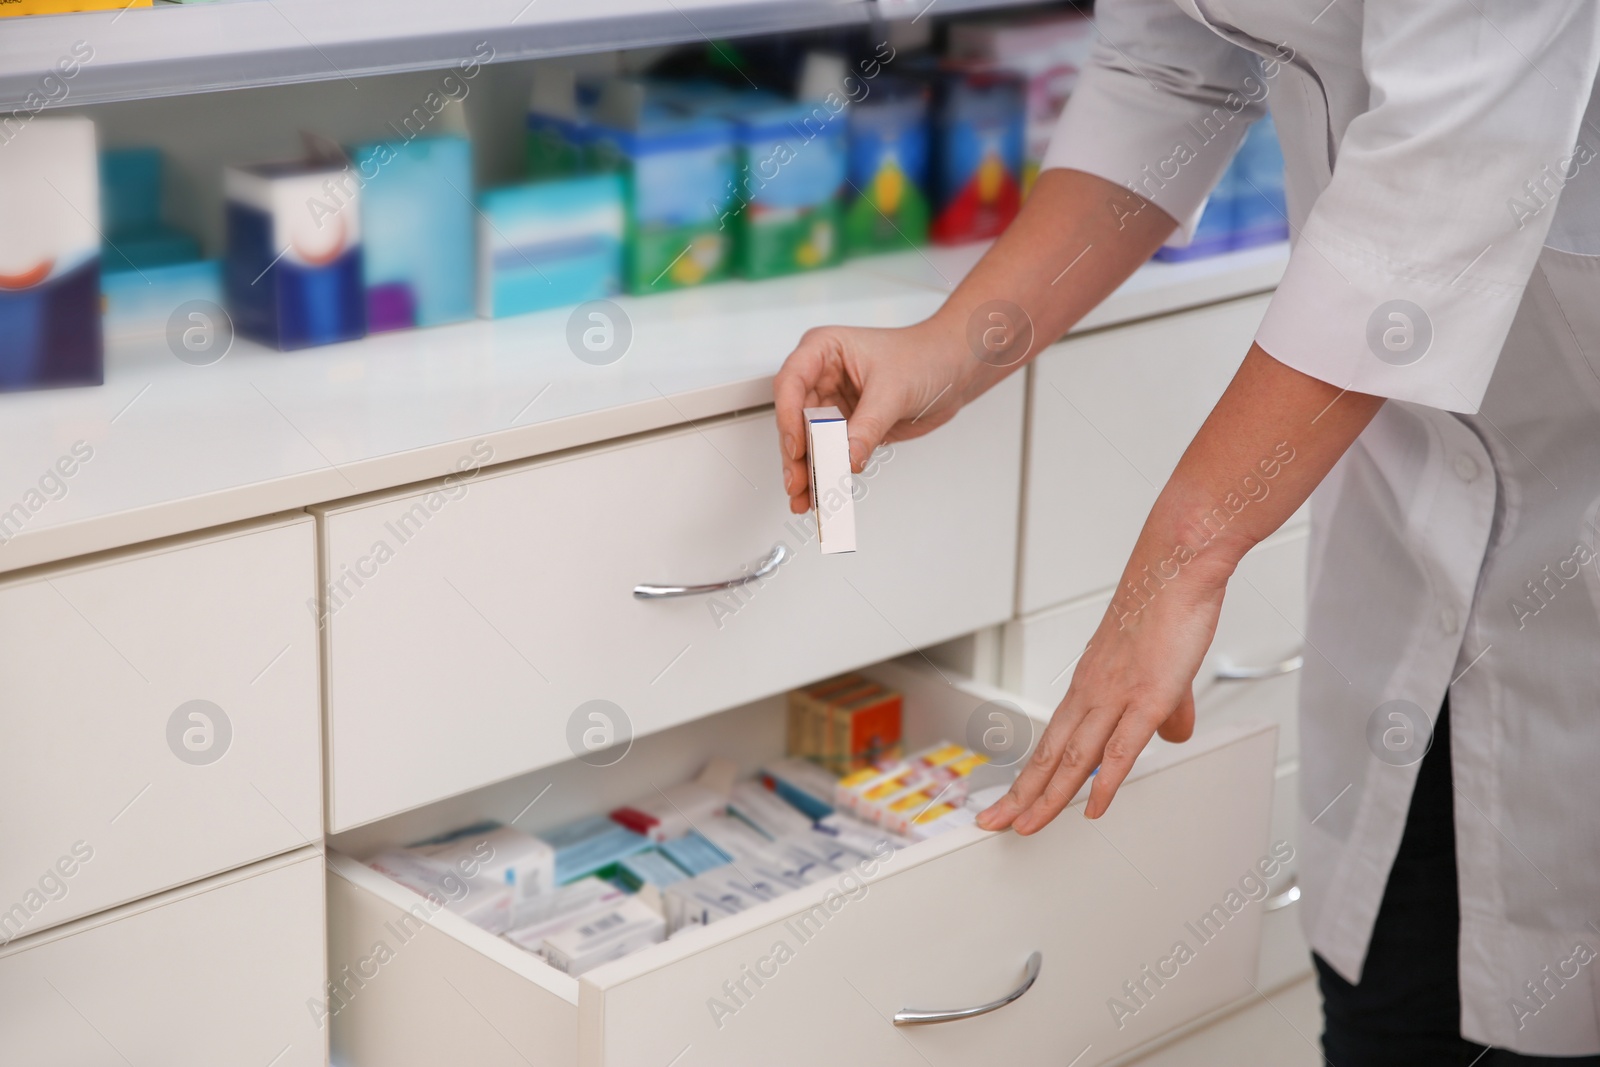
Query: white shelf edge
[711, 390]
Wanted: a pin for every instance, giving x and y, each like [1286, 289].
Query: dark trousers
[1407, 1010]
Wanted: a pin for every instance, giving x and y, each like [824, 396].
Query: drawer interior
[937, 707]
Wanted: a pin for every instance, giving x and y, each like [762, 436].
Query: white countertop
[177, 448]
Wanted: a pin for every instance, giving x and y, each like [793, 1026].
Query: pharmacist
[1430, 365]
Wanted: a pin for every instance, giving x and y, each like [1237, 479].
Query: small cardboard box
[832, 481]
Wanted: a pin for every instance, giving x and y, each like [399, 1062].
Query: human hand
[1133, 681]
[890, 385]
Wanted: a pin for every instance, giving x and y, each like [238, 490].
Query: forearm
[1076, 239]
[1271, 439]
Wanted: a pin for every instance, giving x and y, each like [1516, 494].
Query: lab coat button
[1449, 620]
[1466, 467]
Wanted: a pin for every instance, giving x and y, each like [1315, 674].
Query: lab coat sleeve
[1406, 275]
[1160, 109]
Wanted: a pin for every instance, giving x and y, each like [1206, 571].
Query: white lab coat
[1444, 153]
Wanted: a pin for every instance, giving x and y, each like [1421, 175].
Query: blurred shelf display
[172, 49]
[179, 447]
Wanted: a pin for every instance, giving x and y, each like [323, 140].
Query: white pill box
[832, 482]
[605, 936]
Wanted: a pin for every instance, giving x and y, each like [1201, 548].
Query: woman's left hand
[1133, 681]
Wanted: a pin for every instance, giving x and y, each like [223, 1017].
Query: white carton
[832, 481]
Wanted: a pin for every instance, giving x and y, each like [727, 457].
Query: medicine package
[832, 482]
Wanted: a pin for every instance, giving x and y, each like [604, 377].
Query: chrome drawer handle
[1228, 672]
[1285, 898]
[765, 569]
[913, 1017]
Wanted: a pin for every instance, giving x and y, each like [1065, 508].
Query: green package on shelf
[679, 172]
[788, 192]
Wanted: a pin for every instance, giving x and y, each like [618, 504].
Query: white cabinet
[470, 625]
[1110, 414]
[219, 973]
[1285, 956]
[1253, 667]
[161, 720]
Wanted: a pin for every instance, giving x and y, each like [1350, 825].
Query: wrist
[1183, 558]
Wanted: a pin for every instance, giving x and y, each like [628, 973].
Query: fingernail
[788, 481]
[788, 446]
[858, 454]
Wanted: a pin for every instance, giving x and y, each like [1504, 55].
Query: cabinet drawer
[1109, 416]
[216, 973]
[1284, 953]
[1258, 633]
[116, 785]
[944, 924]
[1253, 667]
[482, 616]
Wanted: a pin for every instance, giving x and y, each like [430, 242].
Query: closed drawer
[1253, 667]
[217, 973]
[479, 616]
[945, 924]
[1109, 416]
[161, 720]
[1284, 953]
[1250, 672]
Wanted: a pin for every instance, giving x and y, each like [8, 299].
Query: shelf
[179, 448]
[174, 49]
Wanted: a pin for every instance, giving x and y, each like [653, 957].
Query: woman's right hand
[890, 385]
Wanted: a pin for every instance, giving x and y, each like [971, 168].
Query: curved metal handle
[914, 1017]
[1228, 672]
[1285, 898]
[765, 569]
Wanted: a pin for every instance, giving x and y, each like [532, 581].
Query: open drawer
[817, 976]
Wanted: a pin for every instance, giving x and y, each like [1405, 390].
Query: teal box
[159, 246]
[141, 303]
[417, 231]
[130, 189]
[551, 243]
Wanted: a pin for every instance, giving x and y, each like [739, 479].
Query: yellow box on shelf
[60, 7]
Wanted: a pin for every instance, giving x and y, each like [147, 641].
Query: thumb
[869, 424]
[1180, 724]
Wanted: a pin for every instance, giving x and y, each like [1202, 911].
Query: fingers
[1133, 732]
[1059, 743]
[874, 416]
[1072, 747]
[1080, 755]
[794, 388]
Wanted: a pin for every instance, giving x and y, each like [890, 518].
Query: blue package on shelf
[292, 272]
[138, 302]
[1260, 214]
[1246, 209]
[416, 231]
[550, 243]
[1213, 235]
